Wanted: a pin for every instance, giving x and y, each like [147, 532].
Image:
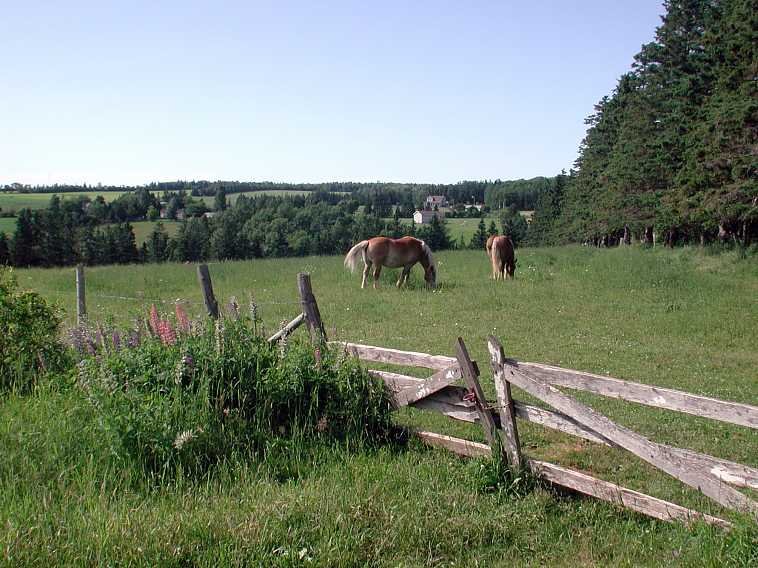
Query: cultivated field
[680, 319]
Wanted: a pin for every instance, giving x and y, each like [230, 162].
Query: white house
[425, 216]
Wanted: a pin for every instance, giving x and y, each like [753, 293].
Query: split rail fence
[712, 476]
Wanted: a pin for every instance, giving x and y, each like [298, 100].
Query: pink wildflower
[182, 319]
[154, 319]
[166, 332]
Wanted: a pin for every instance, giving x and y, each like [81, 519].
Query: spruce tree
[480, 237]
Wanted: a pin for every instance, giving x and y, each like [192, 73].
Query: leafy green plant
[29, 346]
[188, 400]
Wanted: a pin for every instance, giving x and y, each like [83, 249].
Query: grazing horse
[393, 253]
[500, 251]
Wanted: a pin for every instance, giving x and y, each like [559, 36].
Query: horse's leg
[366, 270]
[494, 267]
[403, 276]
[377, 272]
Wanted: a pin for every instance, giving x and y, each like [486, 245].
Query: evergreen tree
[514, 226]
[219, 203]
[156, 245]
[437, 236]
[480, 237]
[492, 230]
[23, 243]
[5, 256]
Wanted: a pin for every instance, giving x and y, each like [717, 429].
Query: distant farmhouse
[425, 216]
[433, 201]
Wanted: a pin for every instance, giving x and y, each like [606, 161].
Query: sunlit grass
[679, 319]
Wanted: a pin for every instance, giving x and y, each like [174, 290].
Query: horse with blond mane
[393, 253]
[501, 253]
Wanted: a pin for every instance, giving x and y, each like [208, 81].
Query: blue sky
[420, 91]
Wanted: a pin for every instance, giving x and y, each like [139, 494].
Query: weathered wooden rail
[714, 477]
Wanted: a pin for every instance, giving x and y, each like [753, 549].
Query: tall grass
[681, 319]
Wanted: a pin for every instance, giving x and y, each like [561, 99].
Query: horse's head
[430, 275]
[510, 268]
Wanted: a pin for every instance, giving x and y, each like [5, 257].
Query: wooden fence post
[204, 277]
[310, 308]
[470, 374]
[506, 408]
[81, 304]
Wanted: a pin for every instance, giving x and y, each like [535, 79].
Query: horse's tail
[351, 259]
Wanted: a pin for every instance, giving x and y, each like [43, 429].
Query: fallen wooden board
[656, 454]
[433, 384]
[398, 357]
[582, 483]
[725, 411]
[287, 329]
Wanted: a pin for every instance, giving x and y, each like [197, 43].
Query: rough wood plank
[81, 303]
[450, 410]
[557, 421]
[634, 500]
[398, 357]
[449, 401]
[287, 329]
[310, 308]
[653, 453]
[436, 382]
[458, 446]
[725, 411]
[506, 408]
[727, 471]
[206, 287]
[581, 482]
[395, 381]
[491, 431]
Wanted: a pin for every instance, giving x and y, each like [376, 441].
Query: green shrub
[189, 401]
[29, 345]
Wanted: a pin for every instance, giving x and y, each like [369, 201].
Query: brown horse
[500, 251]
[393, 253]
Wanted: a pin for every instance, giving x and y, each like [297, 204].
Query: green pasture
[7, 225]
[682, 319]
[142, 229]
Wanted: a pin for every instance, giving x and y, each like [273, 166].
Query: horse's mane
[428, 254]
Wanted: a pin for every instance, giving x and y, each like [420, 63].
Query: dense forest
[673, 151]
[69, 231]
[379, 195]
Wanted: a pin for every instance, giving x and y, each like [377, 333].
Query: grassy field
[680, 319]
[7, 225]
[142, 229]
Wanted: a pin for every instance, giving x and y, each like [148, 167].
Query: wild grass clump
[184, 401]
[29, 344]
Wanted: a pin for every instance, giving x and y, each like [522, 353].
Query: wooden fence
[714, 477]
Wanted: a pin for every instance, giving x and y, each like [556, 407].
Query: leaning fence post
[470, 374]
[81, 304]
[204, 277]
[505, 402]
[310, 307]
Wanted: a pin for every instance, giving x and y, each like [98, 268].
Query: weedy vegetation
[168, 440]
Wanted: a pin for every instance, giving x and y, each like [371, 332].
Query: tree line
[77, 230]
[671, 152]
